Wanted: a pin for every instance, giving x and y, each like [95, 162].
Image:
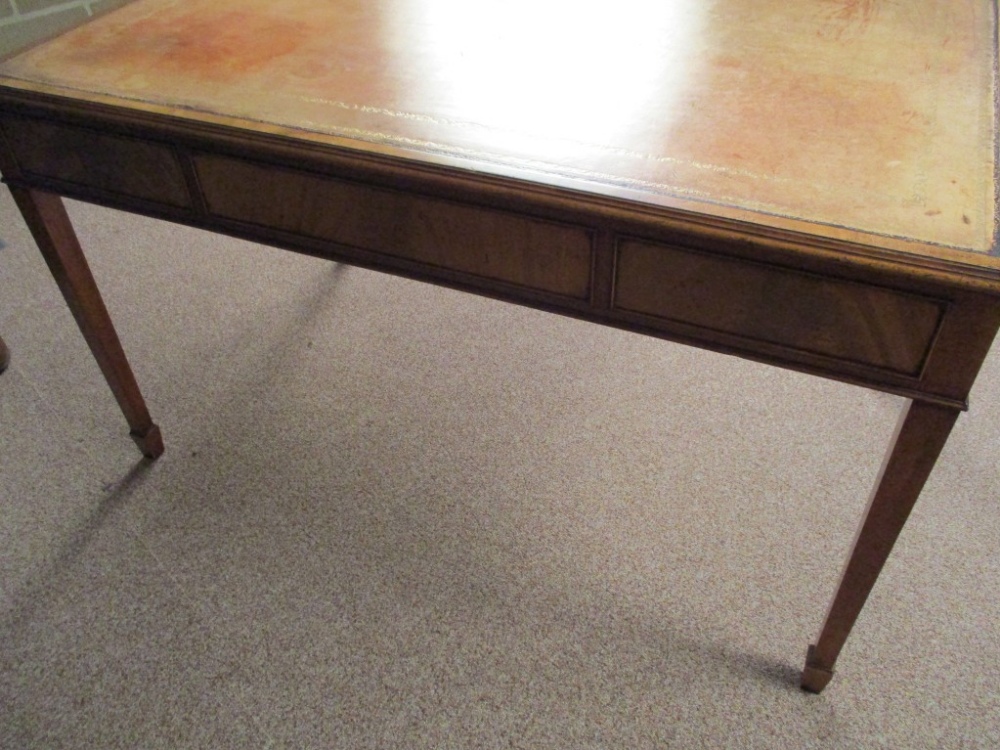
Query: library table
[810, 185]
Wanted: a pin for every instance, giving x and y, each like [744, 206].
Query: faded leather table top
[862, 120]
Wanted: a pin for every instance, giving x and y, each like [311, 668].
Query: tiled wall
[25, 21]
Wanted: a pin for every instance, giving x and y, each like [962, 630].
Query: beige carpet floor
[397, 516]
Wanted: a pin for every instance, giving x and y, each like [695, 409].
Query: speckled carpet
[397, 516]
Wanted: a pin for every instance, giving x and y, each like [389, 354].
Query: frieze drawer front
[88, 161]
[858, 323]
[433, 232]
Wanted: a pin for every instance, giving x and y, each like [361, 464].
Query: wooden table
[809, 185]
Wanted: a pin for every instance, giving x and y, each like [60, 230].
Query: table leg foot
[4, 356]
[150, 441]
[815, 676]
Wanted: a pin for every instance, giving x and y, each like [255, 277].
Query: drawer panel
[859, 323]
[487, 243]
[109, 163]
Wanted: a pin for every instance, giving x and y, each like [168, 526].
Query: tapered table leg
[46, 217]
[920, 435]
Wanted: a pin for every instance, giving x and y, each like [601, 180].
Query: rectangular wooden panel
[850, 321]
[109, 163]
[488, 243]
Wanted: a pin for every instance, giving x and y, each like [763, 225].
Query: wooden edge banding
[815, 677]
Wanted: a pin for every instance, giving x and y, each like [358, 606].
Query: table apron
[837, 320]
